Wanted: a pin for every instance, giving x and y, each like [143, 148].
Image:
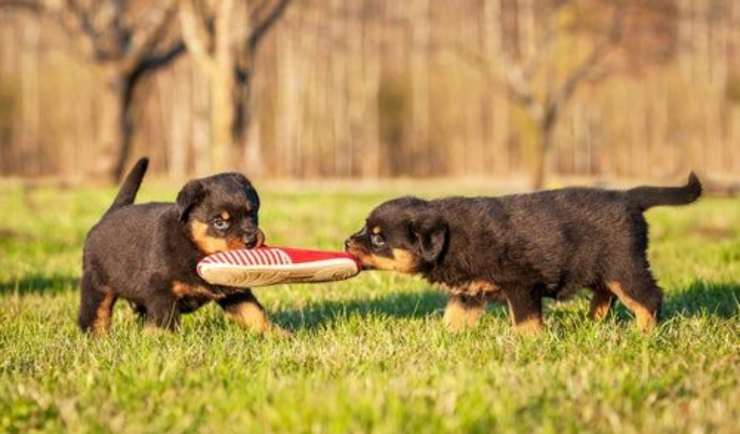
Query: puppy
[147, 253]
[521, 248]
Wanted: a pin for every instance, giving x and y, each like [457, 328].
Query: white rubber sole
[250, 276]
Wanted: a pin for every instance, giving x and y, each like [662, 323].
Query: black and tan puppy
[521, 248]
[147, 253]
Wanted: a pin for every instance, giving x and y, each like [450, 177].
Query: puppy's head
[406, 235]
[220, 213]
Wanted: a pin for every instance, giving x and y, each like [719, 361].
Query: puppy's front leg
[245, 310]
[162, 313]
[525, 308]
[463, 311]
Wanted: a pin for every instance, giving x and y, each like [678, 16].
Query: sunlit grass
[369, 354]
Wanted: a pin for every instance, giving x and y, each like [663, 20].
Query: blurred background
[524, 91]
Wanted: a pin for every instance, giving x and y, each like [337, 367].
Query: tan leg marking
[103, 314]
[253, 317]
[646, 320]
[532, 324]
[461, 314]
[152, 330]
[601, 304]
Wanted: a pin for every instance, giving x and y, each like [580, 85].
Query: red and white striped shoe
[276, 265]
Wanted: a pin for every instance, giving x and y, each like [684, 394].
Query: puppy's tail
[130, 186]
[646, 197]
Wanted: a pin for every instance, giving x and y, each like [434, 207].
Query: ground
[369, 354]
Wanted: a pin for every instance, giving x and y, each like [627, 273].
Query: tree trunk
[222, 114]
[115, 129]
[541, 152]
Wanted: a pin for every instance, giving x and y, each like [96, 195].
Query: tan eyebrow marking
[225, 215]
[376, 230]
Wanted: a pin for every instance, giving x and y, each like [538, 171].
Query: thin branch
[258, 10]
[147, 41]
[511, 77]
[260, 29]
[28, 5]
[153, 62]
[586, 68]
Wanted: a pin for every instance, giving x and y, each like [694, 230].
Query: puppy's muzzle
[253, 240]
[349, 244]
[353, 247]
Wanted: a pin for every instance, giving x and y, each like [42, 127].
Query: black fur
[147, 253]
[521, 248]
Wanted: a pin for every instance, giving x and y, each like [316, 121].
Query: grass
[369, 354]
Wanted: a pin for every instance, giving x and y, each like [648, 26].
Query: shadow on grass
[698, 299]
[395, 305]
[721, 299]
[39, 284]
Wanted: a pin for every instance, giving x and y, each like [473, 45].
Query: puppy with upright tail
[521, 248]
[147, 253]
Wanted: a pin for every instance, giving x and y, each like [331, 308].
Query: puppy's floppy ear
[429, 234]
[190, 195]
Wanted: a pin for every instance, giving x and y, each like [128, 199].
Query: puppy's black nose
[250, 240]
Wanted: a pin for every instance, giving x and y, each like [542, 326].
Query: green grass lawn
[369, 354]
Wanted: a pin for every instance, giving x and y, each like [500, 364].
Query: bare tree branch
[511, 76]
[147, 41]
[76, 17]
[599, 52]
[261, 27]
[155, 60]
[28, 5]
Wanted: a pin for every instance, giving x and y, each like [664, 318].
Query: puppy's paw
[276, 331]
[529, 327]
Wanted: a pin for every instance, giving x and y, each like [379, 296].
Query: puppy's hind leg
[96, 306]
[601, 302]
[642, 298]
[636, 288]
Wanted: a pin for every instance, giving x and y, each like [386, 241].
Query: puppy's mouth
[254, 240]
[362, 255]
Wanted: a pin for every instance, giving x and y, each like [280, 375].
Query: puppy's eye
[220, 224]
[377, 240]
